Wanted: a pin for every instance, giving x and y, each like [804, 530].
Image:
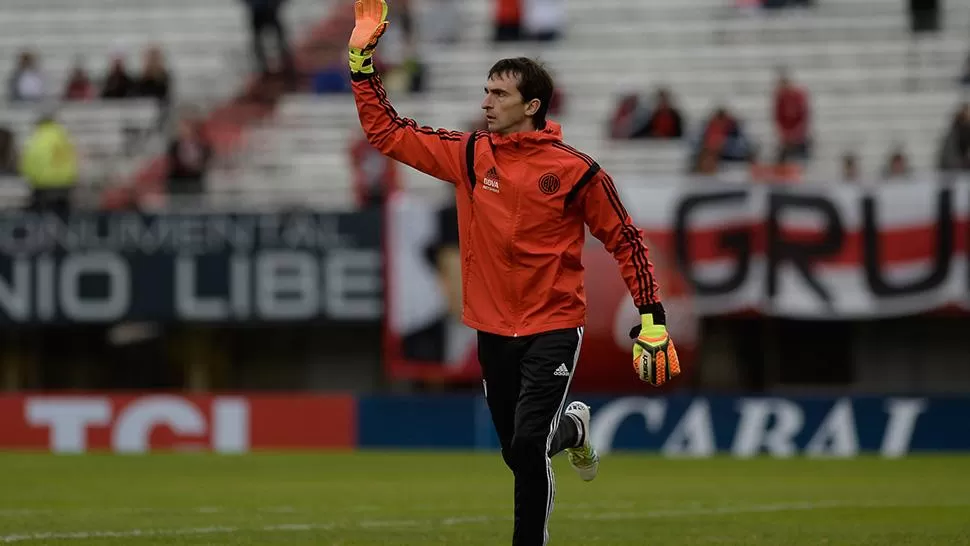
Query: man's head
[517, 95]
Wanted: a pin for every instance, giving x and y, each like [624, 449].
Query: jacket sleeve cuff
[655, 309]
[361, 76]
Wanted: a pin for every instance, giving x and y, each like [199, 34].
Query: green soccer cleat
[584, 458]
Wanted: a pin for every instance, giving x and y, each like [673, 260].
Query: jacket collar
[551, 133]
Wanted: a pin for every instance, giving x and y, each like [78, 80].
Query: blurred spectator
[508, 21]
[924, 16]
[327, 69]
[781, 4]
[49, 165]
[850, 168]
[399, 62]
[376, 177]
[897, 166]
[265, 15]
[621, 122]
[955, 152]
[8, 153]
[408, 72]
[748, 7]
[544, 19]
[330, 79]
[664, 121]
[189, 155]
[117, 83]
[634, 119]
[26, 82]
[400, 11]
[792, 118]
[924, 23]
[724, 135]
[155, 80]
[774, 4]
[79, 86]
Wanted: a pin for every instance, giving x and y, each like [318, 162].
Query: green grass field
[463, 499]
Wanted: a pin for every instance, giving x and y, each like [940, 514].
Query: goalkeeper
[524, 199]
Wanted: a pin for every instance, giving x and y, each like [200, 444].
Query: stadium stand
[873, 86]
[207, 50]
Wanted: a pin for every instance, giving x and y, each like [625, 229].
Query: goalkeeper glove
[654, 355]
[371, 22]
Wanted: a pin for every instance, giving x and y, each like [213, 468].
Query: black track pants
[526, 381]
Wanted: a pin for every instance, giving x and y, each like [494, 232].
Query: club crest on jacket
[549, 184]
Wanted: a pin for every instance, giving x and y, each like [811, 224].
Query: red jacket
[791, 114]
[523, 201]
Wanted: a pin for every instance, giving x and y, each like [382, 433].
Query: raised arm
[438, 153]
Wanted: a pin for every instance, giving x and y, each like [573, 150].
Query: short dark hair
[534, 83]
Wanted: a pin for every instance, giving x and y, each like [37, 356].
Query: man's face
[505, 111]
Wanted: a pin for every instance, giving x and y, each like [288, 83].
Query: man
[792, 118]
[523, 199]
[49, 164]
[265, 15]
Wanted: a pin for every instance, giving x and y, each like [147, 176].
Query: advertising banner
[199, 267]
[674, 426]
[152, 422]
[686, 426]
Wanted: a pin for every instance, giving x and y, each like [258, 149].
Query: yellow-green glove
[370, 23]
[654, 356]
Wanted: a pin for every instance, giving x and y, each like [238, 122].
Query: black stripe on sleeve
[470, 159]
[630, 234]
[573, 193]
[378, 87]
[573, 151]
[639, 250]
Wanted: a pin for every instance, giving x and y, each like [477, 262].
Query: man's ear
[532, 107]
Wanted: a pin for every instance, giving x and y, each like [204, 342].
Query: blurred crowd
[720, 143]
[48, 158]
[28, 83]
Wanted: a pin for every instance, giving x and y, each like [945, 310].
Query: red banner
[77, 423]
